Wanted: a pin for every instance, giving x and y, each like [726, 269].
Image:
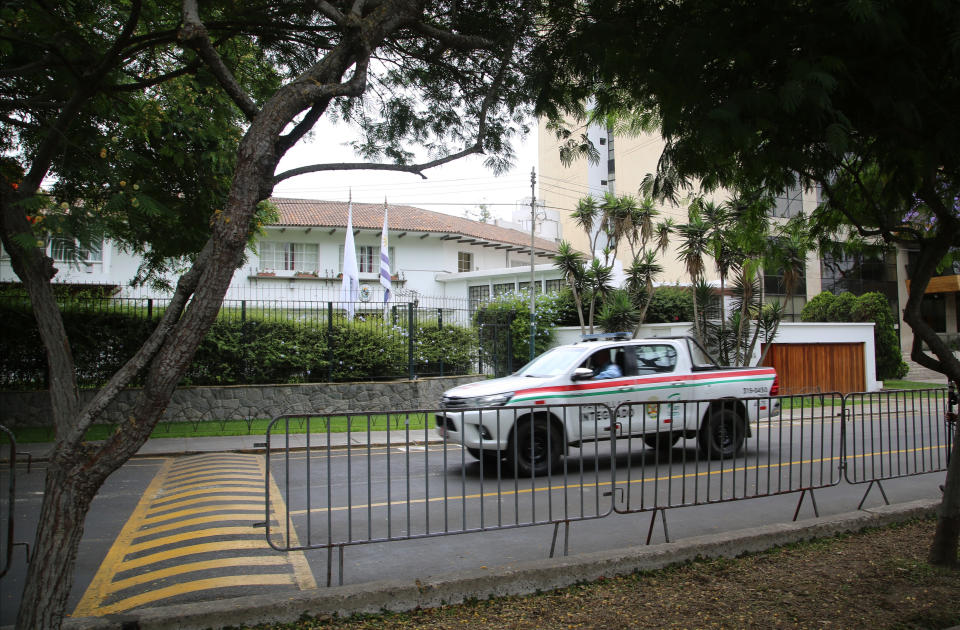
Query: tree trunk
[66, 500]
[943, 551]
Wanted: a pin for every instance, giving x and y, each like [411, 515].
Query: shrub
[670, 304]
[618, 313]
[869, 307]
[504, 323]
[234, 352]
[818, 309]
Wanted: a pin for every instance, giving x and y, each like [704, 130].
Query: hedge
[237, 352]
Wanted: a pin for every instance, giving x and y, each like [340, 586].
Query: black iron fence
[556, 464]
[268, 342]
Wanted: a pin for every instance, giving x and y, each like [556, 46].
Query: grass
[898, 384]
[257, 426]
[879, 578]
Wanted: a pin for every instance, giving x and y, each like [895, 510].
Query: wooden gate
[806, 368]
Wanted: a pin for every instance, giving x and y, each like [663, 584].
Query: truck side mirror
[581, 374]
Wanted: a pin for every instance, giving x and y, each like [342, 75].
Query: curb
[520, 579]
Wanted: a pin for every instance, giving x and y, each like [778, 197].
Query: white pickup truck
[565, 397]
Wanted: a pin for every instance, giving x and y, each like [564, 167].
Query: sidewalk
[162, 447]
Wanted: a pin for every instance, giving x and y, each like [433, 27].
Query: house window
[289, 256]
[477, 295]
[500, 289]
[525, 286]
[861, 273]
[464, 262]
[70, 250]
[368, 259]
[554, 286]
[789, 203]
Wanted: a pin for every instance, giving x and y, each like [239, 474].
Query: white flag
[350, 288]
[385, 259]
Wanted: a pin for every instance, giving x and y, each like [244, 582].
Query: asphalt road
[180, 529]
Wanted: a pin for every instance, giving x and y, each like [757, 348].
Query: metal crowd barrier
[398, 475]
[402, 483]
[717, 456]
[895, 434]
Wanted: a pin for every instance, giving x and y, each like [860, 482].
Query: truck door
[610, 386]
[661, 387]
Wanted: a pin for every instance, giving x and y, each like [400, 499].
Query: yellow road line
[165, 513]
[192, 567]
[163, 500]
[100, 585]
[190, 550]
[197, 500]
[252, 474]
[598, 484]
[211, 532]
[192, 587]
[217, 484]
[298, 560]
[240, 507]
[210, 518]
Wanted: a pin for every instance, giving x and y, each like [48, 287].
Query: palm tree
[586, 215]
[693, 247]
[570, 262]
[640, 278]
[725, 257]
[599, 278]
[663, 231]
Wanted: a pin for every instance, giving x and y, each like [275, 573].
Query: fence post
[510, 342]
[440, 327]
[410, 340]
[150, 308]
[243, 310]
[329, 342]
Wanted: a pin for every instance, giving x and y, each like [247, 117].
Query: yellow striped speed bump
[194, 532]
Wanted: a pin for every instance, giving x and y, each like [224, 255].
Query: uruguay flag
[385, 259]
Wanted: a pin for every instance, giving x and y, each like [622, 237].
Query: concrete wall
[19, 409]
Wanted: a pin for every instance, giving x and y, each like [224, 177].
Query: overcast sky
[453, 188]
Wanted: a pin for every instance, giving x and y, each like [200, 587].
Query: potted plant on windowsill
[306, 274]
[266, 273]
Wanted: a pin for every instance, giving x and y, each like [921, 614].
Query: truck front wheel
[723, 433]
[536, 447]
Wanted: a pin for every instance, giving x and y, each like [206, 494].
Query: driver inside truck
[603, 366]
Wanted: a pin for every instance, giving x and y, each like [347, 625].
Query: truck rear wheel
[723, 433]
[536, 447]
[661, 441]
[489, 457]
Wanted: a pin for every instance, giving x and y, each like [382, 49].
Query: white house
[301, 256]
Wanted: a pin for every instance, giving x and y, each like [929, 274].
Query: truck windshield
[552, 363]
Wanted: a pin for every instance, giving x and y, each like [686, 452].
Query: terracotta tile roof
[367, 216]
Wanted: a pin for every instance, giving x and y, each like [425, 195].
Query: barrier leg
[813, 500]
[566, 537]
[653, 520]
[870, 487]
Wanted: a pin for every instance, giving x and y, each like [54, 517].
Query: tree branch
[194, 34]
[145, 83]
[185, 288]
[303, 127]
[330, 12]
[453, 40]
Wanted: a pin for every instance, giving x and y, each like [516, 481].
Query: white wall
[800, 332]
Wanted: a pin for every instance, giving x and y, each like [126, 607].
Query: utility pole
[533, 230]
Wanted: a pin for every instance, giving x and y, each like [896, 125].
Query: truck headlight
[494, 400]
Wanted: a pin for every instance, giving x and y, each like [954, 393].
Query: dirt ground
[873, 579]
